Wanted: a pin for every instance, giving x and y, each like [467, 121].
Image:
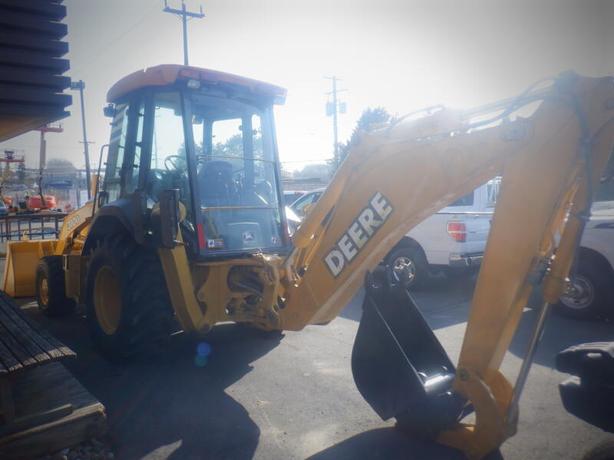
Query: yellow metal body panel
[181, 289]
[22, 257]
[398, 176]
[391, 181]
[75, 229]
[420, 167]
[20, 266]
[203, 294]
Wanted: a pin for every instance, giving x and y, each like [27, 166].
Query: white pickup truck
[452, 239]
[590, 291]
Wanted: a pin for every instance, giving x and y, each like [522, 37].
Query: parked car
[302, 205]
[293, 220]
[590, 290]
[290, 196]
[453, 239]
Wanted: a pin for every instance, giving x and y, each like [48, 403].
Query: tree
[60, 166]
[313, 171]
[370, 119]
[233, 147]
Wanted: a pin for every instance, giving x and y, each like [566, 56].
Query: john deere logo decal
[362, 229]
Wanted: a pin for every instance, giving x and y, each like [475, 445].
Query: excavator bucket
[399, 366]
[22, 257]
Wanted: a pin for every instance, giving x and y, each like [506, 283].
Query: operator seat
[217, 187]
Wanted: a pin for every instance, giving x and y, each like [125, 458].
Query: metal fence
[32, 226]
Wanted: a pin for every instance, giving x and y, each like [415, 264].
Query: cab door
[127, 149]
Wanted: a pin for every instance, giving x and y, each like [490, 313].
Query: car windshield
[236, 175]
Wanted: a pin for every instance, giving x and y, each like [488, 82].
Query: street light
[80, 85]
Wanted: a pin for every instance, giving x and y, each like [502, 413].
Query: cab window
[168, 162]
[466, 200]
[236, 176]
[301, 205]
[117, 148]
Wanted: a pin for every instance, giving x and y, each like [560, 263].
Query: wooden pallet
[23, 345]
[42, 391]
[43, 408]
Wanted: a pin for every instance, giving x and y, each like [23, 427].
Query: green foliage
[370, 119]
[313, 171]
[233, 147]
[59, 165]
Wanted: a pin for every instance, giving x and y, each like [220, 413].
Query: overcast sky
[401, 55]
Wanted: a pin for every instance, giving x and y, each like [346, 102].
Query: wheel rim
[107, 300]
[579, 294]
[404, 270]
[43, 292]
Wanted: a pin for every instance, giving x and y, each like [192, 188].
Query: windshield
[236, 175]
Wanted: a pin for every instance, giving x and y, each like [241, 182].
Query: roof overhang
[169, 74]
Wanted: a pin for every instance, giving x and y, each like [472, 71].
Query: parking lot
[269, 398]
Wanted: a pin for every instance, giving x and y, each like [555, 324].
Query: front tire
[409, 266]
[127, 303]
[590, 291]
[50, 288]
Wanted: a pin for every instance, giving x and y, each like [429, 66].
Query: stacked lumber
[32, 65]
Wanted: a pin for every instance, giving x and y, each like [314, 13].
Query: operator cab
[209, 135]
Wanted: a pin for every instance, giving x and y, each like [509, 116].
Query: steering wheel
[172, 163]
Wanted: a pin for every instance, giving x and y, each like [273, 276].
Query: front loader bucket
[20, 266]
[399, 366]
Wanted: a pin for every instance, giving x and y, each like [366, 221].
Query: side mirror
[102, 198]
[109, 111]
[169, 217]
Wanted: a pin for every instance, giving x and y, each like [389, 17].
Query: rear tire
[50, 288]
[409, 266]
[127, 303]
[591, 291]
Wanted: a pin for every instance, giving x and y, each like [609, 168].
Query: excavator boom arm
[396, 177]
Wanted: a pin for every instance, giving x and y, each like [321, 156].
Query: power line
[94, 55]
[185, 14]
[334, 108]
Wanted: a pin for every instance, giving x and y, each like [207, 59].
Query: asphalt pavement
[293, 397]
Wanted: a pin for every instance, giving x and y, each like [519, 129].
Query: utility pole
[185, 14]
[42, 161]
[333, 109]
[80, 85]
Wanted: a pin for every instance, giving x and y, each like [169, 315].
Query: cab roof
[168, 74]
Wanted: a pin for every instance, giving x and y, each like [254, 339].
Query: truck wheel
[590, 290]
[127, 304]
[50, 287]
[409, 266]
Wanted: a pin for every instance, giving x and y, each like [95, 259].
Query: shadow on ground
[444, 302]
[559, 333]
[167, 406]
[390, 444]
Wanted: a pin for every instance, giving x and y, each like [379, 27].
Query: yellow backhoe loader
[188, 226]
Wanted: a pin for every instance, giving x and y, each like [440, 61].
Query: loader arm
[396, 177]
